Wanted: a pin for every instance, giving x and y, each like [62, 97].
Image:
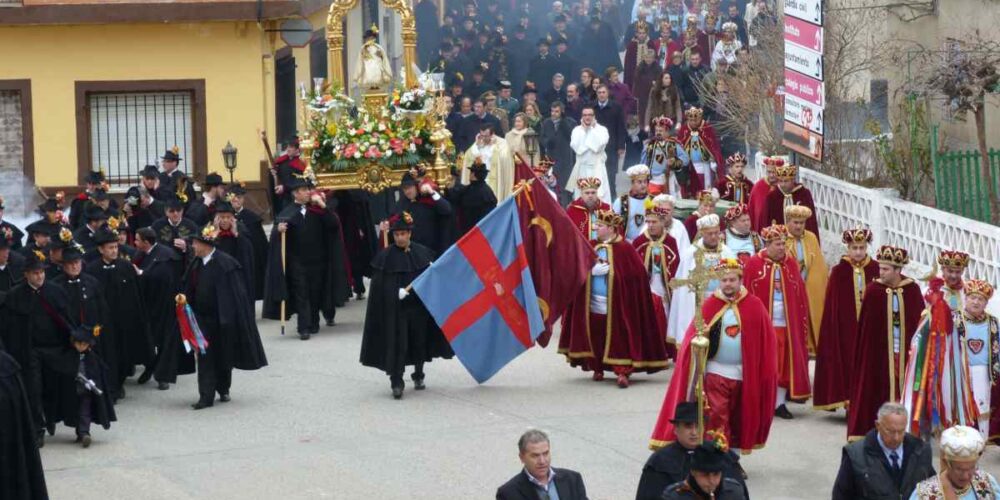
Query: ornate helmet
[658, 212]
[736, 212]
[708, 221]
[664, 199]
[736, 158]
[693, 113]
[663, 121]
[979, 287]
[729, 27]
[774, 232]
[856, 235]
[962, 444]
[797, 212]
[953, 258]
[609, 218]
[585, 183]
[894, 256]
[774, 161]
[707, 196]
[638, 172]
[729, 265]
[641, 25]
[786, 172]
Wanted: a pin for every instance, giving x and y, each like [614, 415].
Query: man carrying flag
[611, 325]
[398, 329]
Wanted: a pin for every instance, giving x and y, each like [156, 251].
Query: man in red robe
[701, 144]
[583, 211]
[890, 310]
[953, 264]
[787, 192]
[611, 324]
[664, 46]
[742, 370]
[773, 276]
[633, 51]
[735, 187]
[695, 40]
[839, 325]
[759, 193]
[658, 251]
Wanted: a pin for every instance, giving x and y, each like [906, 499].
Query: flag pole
[284, 275]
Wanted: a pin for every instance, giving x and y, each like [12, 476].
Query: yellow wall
[228, 56]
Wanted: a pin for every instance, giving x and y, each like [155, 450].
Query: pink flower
[397, 145]
[373, 152]
[350, 150]
[418, 141]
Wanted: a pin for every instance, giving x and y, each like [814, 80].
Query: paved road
[316, 424]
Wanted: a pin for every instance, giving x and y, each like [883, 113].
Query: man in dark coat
[360, 242]
[473, 201]
[11, 263]
[93, 386]
[672, 464]
[555, 136]
[127, 319]
[93, 219]
[539, 479]
[175, 231]
[254, 226]
[473, 123]
[234, 241]
[312, 278]
[433, 215]
[78, 206]
[16, 236]
[202, 211]
[398, 329]
[287, 167]
[887, 463]
[543, 66]
[610, 115]
[23, 477]
[173, 179]
[706, 478]
[34, 328]
[213, 286]
[142, 208]
[160, 272]
[151, 183]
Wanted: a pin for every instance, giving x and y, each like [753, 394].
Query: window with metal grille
[131, 130]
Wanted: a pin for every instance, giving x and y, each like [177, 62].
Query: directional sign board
[803, 89]
[806, 10]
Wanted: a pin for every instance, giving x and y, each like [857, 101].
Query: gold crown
[693, 112]
[857, 235]
[736, 211]
[786, 172]
[736, 158]
[706, 196]
[774, 232]
[953, 258]
[374, 28]
[585, 183]
[609, 218]
[642, 25]
[891, 255]
[979, 287]
[659, 211]
[797, 212]
[729, 265]
[65, 235]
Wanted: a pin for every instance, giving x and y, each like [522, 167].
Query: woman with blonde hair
[533, 116]
[515, 139]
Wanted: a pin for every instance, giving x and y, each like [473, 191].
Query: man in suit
[887, 463]
[556, 133]
[610, 115]
[539, 479]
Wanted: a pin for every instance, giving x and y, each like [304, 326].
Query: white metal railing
[923, 231]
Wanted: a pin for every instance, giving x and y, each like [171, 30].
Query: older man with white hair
[632, 206]
[674, 227]
[713, 250]
[961, 479]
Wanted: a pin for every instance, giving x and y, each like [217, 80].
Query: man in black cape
[172, 178]
[16, 236]
[434, 224]
[313, 279]
[254, 226]
[34, 328]
[398, 329]
[160, 272]
[213, 286]
[93, 385]
[11, 263]
[142, 208]
[234, 241]
[202, 211]
[359, 235]
[77, 207]
[287, 167]
[93, 218]
[174, 230]
[23, 477]
[127, 319]
[472, 201]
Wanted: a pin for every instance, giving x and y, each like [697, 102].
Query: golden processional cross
[697, 282]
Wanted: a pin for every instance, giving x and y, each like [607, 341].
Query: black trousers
[84, 416]
[213, 376]
[611, 163]
[33, 383]
[396, 379]
[307, 283]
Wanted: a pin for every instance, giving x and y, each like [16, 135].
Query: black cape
[227, 320]
[22, 477]
[671, 465]
[12, 273]
[127, 318]
[276, 289]
[240, 248]
[258, 238]
[472, 202]
[359, 233]
[166, 234]
[162, 270]
[399, 333]
[433, 222]
[17, 236]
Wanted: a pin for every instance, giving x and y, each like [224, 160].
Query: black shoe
[201, 404]
[397, 392]
[51, 428]
[162, 386]
[330, 322]
[146, 375]
[303, 335]
[782, 412]
[359, 296]
[40, 440]
[121, 393]
[418, 384]
[85, 440]
[224, 398]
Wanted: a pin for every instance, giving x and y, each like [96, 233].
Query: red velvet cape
[710, 140]
[632, 338]
[631, 62]
[871, 352]
[580, 215]
[758, 278]
[669, 259]
[835, 354]
[758, 205]
[672, 46]
[776, 207]
[727, 187]
[760, 374]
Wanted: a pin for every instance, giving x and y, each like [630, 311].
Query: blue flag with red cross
[481, 294]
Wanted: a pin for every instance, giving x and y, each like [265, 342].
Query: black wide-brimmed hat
[150, 172]
[49, 205]
[224, 207]
[402, 221]
[174, 203]
[686, 413]
[86, 334]
[208, 234]
[94, 212]
[95, 177]
[35, 260]
[709, 457]
[72, 253]
[296, 183]
[407, 181]
[99, 195]
[237, 188]
[171, 155]
[40, 227]
[213, 179]
[105, 235]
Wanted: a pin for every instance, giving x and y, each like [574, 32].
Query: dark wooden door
[285, 96]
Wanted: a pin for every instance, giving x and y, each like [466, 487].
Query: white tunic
[636, 222]
[683, 302]
[589, 144]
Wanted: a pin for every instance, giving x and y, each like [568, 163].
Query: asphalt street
[316, 424]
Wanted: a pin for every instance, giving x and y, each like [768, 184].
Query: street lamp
[229, 158]
[531, 145]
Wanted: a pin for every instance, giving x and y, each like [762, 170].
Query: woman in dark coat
[664, 100]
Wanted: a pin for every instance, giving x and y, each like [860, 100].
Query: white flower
[413, 148]
[388, 153]
[357, 155]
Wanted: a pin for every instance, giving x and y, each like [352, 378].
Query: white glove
[403, 293]
[601, 269]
